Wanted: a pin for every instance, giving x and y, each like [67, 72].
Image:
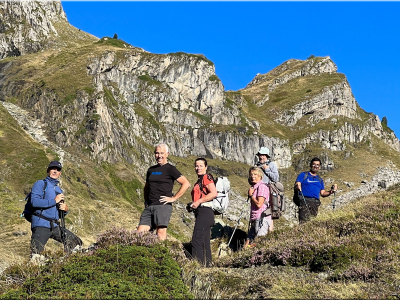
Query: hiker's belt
[311, 199]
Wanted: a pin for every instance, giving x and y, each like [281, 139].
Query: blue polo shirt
[311, 186]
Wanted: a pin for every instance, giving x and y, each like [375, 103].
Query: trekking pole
[334, 200]
[62, 220]
[237, 223]
[305, 202]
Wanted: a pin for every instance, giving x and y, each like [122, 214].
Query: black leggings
[40, 236]
[201, 249]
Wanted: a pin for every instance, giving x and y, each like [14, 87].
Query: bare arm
[184, 186]
[258, 201]
[211, 194]
[324, 193]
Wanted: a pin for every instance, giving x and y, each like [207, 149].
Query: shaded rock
[19, 233]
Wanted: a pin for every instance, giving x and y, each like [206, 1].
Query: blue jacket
[47, 205]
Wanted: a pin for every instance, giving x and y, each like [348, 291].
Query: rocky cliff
[27, 26]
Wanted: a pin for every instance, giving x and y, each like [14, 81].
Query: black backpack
[29, 210]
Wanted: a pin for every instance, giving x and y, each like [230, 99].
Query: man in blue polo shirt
[311, 186]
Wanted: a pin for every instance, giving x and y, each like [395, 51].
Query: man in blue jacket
[48, 202]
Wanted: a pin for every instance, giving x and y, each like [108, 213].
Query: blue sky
[246, 38]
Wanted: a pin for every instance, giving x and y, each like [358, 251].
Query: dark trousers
[306, 211]
[40, 236]
[201, 248]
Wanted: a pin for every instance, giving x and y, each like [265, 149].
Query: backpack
[296, 198]
[220, 203]
[277, 203]
[29, 210]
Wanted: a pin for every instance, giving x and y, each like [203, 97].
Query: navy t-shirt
[311, 186]
[161, 181]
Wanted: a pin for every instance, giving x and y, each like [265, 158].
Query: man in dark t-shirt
[158, 193]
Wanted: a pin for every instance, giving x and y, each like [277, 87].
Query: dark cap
[55, 163]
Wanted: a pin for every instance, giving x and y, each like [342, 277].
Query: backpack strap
[47, 219]
[200, 183]
[44, 194]
[306, 176]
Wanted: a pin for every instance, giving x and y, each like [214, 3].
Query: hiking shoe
[250, 246]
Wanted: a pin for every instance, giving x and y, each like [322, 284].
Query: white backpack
[220, 203]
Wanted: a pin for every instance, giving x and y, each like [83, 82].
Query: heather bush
[361, 243]
[125, 237]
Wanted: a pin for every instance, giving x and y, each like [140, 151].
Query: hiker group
[46, 207]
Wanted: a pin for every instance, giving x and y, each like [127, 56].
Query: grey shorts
[156, 216]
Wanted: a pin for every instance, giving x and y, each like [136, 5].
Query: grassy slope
[353, 252]
[124, 265]
[97, 197]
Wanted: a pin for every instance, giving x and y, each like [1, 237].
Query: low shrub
[125, 264]
[359, 245]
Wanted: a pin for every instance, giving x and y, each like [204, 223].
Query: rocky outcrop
[185, 82]
[26, 26]
[184, 96]
[375, 126]
[294, 68]
[33, 127]
[336, 100]
[336, 140]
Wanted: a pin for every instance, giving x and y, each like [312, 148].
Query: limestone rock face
[182, 93]
[336, 100]
[25, 26]
[187, 82]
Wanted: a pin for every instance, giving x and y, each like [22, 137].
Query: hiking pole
[305, 202]
[334, 200]
[223, 248]
[237, 223]
[334, 196]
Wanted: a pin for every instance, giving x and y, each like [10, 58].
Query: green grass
[147, 117]
[214, 78]
[107, 41]
[150, 80]
[127, 187]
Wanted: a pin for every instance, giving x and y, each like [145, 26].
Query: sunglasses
[317, 166]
